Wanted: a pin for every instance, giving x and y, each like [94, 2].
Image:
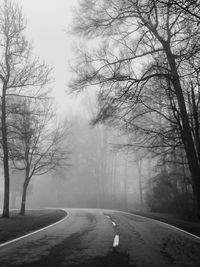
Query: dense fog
[101, 174]
[104, 170]
[98, 177]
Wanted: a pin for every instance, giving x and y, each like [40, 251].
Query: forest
[133, 142]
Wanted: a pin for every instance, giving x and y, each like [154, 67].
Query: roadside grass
[191, 226]
[16, 225]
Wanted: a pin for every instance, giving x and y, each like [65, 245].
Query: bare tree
[19, 73]
[145, 44]
[38, 145]
[190, 7]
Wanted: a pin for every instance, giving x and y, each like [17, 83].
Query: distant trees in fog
[147, 66]
[100, 176]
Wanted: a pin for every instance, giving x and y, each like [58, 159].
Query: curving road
[103, 238]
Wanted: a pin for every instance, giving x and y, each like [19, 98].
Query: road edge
[167, 224]
[35, 232]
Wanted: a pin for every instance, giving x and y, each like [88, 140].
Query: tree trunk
[139, 167]
[186, 130]
[23, 202]
[125, 204]
[114, 179]
[5, 155]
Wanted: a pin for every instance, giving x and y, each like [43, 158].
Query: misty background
[99, 175]
[105, 170]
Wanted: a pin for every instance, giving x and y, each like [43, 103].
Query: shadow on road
[113, 259]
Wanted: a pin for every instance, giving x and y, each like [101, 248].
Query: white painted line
[114, 224]
[32, 233]
[171, 226]
[116, 241]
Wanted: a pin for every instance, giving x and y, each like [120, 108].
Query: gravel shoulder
[17, 225]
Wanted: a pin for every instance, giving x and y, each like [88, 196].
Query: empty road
[104, 238]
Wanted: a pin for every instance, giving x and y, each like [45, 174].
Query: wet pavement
[86, 238]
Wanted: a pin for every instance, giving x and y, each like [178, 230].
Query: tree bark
[23, 202]
[5, 213]
[186, 131]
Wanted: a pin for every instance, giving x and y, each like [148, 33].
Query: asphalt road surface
[102, 238]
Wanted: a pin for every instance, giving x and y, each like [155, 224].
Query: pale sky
[47, 22]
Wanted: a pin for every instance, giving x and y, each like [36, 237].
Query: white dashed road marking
[114, 224]
[116, 238]
[116, 241]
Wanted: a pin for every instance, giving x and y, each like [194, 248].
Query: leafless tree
[190, 7]
[19, 73]
[37, 145]
[145, 44]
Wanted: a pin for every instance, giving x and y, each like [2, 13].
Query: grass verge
[16, 225]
